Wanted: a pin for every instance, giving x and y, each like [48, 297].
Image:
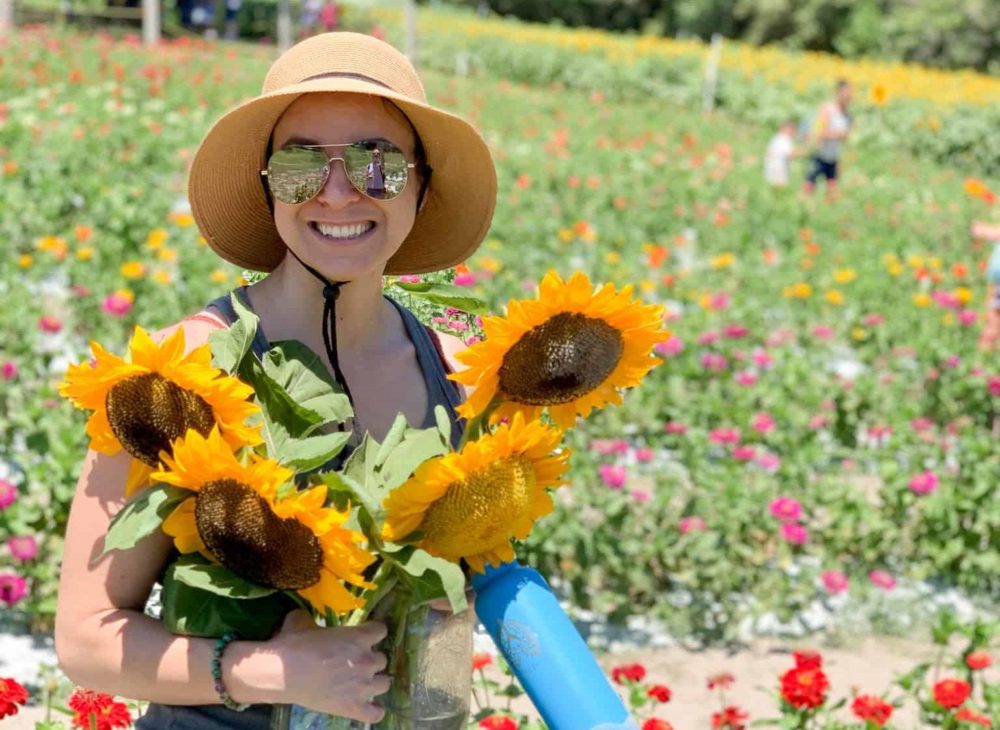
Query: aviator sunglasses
[377, 168]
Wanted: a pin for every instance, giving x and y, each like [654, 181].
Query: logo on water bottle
[518, 641]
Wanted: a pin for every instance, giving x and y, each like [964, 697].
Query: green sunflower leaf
[416, 447]
[429, 577]
[142, 516]
[446, 295]
[302, 374]
[312, 452]
[192, 611]
[195, 571]
[231, 345]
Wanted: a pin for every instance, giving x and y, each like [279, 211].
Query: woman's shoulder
[450, 347]
[197, 328]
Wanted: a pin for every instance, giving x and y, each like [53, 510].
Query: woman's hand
[333, 670]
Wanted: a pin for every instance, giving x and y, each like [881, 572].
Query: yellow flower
[844, 276]
[469, 505]
[160, 276]
[491, 264]
[934, 262]
[948, 319]
[647, 286]
[570, 350]
[612, 257]
[566, 235]
[220, 276]
[85, 253]
[859, 333]
[723, 261]
[132, 270]
[156, 238]
[834, 297]
[922, 300]
[800, 290]
[963, 294]
[235, 517]
[915, 262]
[879, 94]
[895, 268]
[167, 254]
[25, 261]
[182, 220]
[142, 405]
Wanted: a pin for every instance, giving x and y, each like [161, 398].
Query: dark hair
[842, 83]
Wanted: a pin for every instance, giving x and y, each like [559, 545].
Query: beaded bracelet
[220, 646]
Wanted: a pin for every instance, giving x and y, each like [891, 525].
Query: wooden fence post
[150, 22]
[284, 26]
[712, 73]
[6, 17]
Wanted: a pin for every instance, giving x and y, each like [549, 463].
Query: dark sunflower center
[242, 531]
[566, 357]
[148, 412]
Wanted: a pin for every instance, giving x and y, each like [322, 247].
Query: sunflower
[235, 517]
[468, 505]
[570, 351]
[144, 404]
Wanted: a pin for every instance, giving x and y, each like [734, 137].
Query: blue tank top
[440, 391]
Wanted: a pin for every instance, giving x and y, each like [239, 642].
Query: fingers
[374, 631]
[370, 712]
[298, 620]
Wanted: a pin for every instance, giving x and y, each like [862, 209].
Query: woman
[277, 185]
[991, 328]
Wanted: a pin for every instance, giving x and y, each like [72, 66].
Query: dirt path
[867, 666]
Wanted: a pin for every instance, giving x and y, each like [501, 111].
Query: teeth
[344, 231]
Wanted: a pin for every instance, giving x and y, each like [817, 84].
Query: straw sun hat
[227, 193]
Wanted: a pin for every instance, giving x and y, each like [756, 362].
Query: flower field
[822, 431]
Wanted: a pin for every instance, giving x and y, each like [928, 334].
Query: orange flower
[975, 188]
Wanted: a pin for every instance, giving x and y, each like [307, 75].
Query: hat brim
[229, 203]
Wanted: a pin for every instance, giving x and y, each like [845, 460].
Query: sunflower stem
[479, 424]
[385, 580]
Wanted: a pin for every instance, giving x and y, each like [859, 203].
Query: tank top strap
[224, 306]
[440, 390]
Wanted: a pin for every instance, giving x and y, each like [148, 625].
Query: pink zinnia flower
[691, 524]
[781, 336]
[822, 332]
[708, 338]
[23, 547]
[675, 427]
[472, 339]
[818, 422]
[994, 385]
[786, 509]
[725, 436]
[735, 331]
[670, 347]
[49, 324]
[882, 579]
[644, 455]
[116, 305]
[9, 370]
[8, 493]
[641, 495]
[612, 476]
[762, 423]
[921, 424]
[952, 361]
[873, 320]
[719, 301]
[605, 447]
[410, 279]
[768, 462]
[946, 299]
[924, 483]
[457, 325]
[714, 361]
[967, 317]
[12, 588]
[762, 359]
[746, 377]
[744, 453]
[794, 533]
[468, 279]
[834, 581]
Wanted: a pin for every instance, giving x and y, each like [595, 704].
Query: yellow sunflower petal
[138, 476]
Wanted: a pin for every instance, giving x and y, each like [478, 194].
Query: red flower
[731, 718]
[659, 692]
[628, 672]
[655, 723]
[871, 709]
[804, 687]
[481, 660]
[723, 680]
[102, 709]
[498, 722]
[967, 715]
[807, 659]
[12, 694]
[978, 660]
[950, 693]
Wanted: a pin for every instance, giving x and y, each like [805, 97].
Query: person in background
[830, 130]
[991, 327]
[780, 150]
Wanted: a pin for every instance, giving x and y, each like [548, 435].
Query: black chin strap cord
[331, 291]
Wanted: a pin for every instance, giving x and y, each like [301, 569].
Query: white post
[410, 15]
[284, 26]
[712, 73]
[6, 17]
[151, 22]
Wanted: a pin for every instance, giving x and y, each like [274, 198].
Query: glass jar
[430, 662]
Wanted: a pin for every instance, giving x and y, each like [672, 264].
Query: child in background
[991, 328]
[780, 150]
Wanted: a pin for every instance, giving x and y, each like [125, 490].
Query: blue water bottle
[546, 652]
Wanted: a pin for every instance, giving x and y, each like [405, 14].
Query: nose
[338, 190]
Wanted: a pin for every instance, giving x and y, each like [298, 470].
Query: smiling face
[342, 232]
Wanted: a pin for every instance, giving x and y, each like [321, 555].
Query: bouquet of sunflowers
[236, 459]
